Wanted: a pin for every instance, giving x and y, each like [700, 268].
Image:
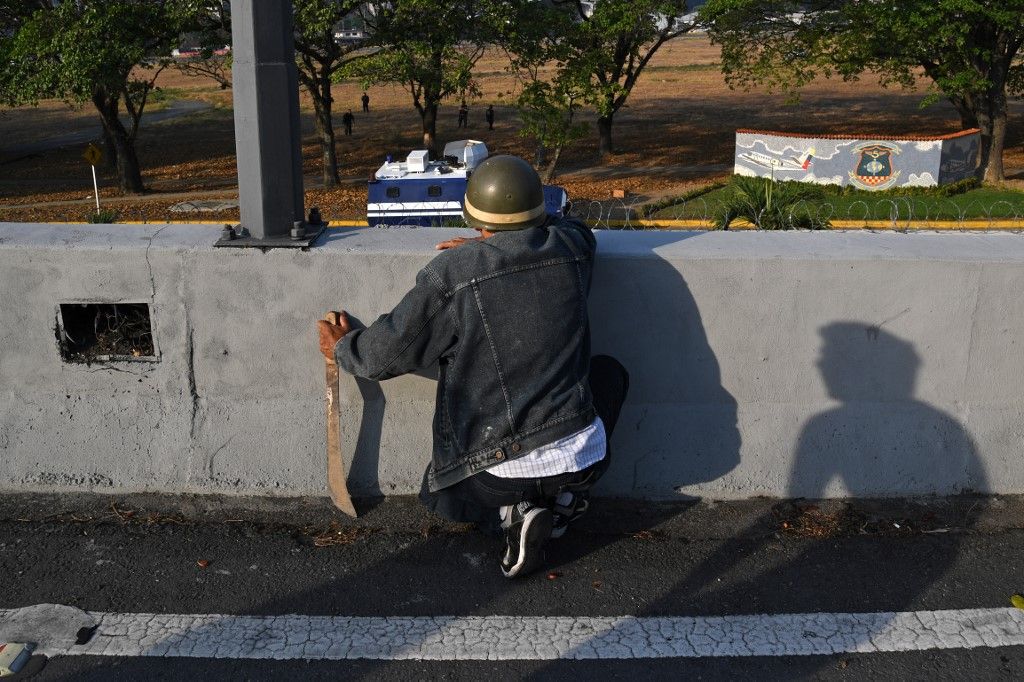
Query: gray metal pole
[266, 102]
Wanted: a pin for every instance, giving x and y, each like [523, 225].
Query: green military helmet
[504, 193]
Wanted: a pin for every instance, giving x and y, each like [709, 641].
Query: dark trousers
[475, 499]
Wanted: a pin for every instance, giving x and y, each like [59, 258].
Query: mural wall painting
[866, 163]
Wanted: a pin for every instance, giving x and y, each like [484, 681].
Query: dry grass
[677, 131]
[811, 521]
[335, 534]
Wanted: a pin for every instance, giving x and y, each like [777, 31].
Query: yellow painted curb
[218, 223]
[836, 224]
[940, 225]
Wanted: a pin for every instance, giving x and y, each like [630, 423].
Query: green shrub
[771, 205]
[104, 215]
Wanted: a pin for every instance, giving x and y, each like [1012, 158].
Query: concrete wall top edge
[684, 245]
[106, 237]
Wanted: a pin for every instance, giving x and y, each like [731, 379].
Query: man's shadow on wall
[879, 441]
[678, 427]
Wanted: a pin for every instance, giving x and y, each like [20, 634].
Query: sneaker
[527, 528]
[566, 511]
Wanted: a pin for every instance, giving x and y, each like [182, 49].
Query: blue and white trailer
[428, 193]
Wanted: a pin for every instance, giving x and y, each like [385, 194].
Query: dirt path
[226, 189]
[610, 172]
[174, 110]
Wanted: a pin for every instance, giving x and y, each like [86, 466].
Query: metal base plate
[250, 242]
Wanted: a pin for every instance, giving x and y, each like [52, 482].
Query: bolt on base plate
[238, 237]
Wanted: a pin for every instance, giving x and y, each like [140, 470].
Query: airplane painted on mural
[793, 163]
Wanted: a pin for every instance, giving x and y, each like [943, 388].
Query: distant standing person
[366, 102]
[489, 115]
[347, 120]
[463, 115]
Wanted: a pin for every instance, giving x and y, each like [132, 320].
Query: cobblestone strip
[542, 638]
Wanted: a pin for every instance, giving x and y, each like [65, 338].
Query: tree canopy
[87, 51]
[609, 47]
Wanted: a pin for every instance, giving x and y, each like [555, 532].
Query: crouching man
[523, 414]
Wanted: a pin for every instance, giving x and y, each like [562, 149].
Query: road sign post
[94, 155]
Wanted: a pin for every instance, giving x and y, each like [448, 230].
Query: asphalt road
[143, 555]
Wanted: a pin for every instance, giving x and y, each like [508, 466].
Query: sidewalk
[397, 569]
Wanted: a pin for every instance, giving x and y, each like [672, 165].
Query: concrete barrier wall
[787, 364]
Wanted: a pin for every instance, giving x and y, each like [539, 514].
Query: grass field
[834, 204]
[676, 133]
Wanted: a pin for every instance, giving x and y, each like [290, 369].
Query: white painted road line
[452, 638]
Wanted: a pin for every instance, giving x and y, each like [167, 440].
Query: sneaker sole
[536, 530]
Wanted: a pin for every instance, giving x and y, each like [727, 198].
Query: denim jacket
[506, 320]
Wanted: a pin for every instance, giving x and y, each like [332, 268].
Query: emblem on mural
[875, 169]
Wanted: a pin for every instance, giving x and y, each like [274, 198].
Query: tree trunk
[964, 107]
[540, 156]
[968, 120]
[549, 172]
[992, 120]
[429, 115]
[604, 131]
[322, 105]
[985, 125]
[128, 171]
[993, 170]
[329, 152]
[109, 151]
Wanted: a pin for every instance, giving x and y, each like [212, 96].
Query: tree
[968, 49]
[88, 51]
[548, 110]
[209, 32]
[211, 63]
[610, 46]
[13, 14]
[320, 57]
[535, 38]
[429, 47]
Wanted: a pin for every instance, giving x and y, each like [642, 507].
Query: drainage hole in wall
[94, 332]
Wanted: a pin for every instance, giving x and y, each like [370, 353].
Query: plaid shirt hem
[572, 453]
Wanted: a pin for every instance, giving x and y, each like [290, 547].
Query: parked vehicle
[427, 193]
